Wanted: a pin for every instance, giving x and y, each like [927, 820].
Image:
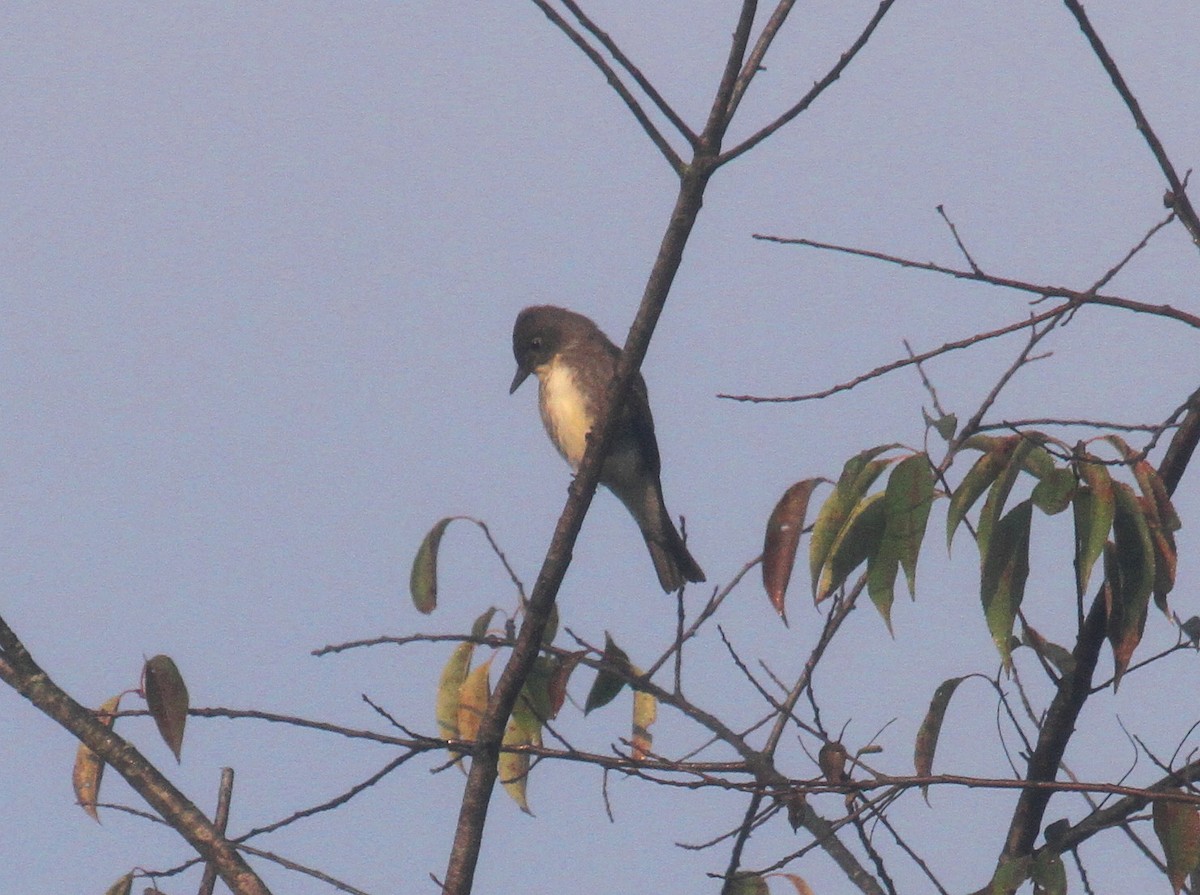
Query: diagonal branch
[19, 670]
[817, 89]
[1176, 198]
[616, 83]
[634, 72]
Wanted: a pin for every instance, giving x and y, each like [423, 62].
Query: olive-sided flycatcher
[574, 362]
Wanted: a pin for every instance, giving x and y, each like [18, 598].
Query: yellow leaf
[645, 713]
[513, 767]
[89, 767]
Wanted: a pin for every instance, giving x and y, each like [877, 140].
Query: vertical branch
[221, 820]
[1074, 689]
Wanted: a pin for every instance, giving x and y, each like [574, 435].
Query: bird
[574, 362]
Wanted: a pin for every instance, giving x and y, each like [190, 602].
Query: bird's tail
[672, 561]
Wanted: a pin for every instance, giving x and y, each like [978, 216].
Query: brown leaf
[557, 688]
[167, 699]
[89, 767]
[931, 728]
[782, 539]
[832, 760]
[1177, 826]
[802, 888]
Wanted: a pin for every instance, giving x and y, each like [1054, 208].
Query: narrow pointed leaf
[608, 684]
[977, 480]
[480, 627]
[422, 579]
[454, 674]
[557, 688]
[645, 713]
[1095, 506]
[931, 729]
[1177, 826]
[513, 767]
[857, 476]
[1166, 558]
[473, 696]
[1058, 656]
[993, 506]
[909, 497]
[532, 708]
[1131, 578]
[860, 537]
[167, 699]
[89, 767]
[1005, 569]
[782, 539]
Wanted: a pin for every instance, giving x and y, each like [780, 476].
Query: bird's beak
[522, 375]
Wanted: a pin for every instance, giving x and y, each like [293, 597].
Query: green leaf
[998, 452]
[422, 580]
[782, 540]
[532, 708]
[608, 683]
[1004, 570]
[1177, 826]
[857, 476]
[859, 538]
[1095, 506]
[1010, 874]
[931, 729]
[480, 627]
[449, 689]
[1130, 578]
[1053, 493]
[993, 507]
[909, 497]
[945, 426]
[745, 882]
[167, 699]
[1049, 874]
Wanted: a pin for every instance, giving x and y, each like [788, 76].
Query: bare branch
[817, 89]
[1176, 199]
[616, 83]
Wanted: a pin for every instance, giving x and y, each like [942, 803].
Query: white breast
[564, 411]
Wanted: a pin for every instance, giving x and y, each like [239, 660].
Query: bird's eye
[535, 343]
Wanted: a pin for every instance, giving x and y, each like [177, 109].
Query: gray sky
[259, 265]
